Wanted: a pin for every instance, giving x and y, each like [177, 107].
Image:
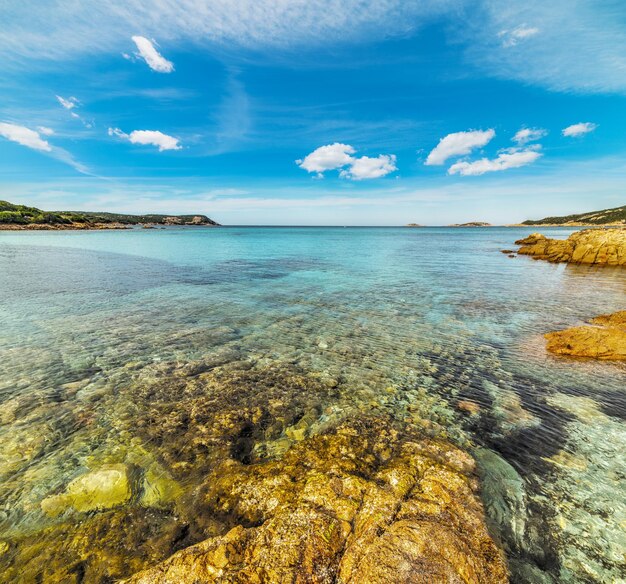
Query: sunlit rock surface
[361, 504]
[605, 338]
[590, 246]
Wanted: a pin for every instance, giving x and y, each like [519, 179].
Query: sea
[102, 334]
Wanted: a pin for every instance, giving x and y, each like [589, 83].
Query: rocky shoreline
[590, 246]
[62, 226]
[604, 338]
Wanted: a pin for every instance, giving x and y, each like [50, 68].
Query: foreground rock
[357, 505]
[591, 246]
[605, 339]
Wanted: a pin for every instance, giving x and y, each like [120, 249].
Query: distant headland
[21, 217]
[616, 216]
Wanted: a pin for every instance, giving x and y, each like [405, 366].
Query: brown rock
[359, 505]
[590, 246]
[468, 406]
[606, 339]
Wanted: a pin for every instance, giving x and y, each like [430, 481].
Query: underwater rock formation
[362, 503]
[590, 246]
[606, 339]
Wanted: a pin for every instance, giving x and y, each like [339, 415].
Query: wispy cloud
[526, 135]
[459, 144]
[71, 104]
[520, 33]
[148, 52]
[32, 139]
[24, 136]
[67, 28]
[579, 45]
[340, 157]
[148, 137]
[580, 129]
[68, 103]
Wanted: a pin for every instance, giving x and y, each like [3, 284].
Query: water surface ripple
[104, 334]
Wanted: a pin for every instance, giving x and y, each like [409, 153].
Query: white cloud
[580, 129]
[366, 167]
[148, 137]
[151, 56]
[459, 144]
[526, 135]
[69, 103]
[511, 37]
[509, 158]
[328, 157]
[24, 136]
[339, 156]
[45, 131]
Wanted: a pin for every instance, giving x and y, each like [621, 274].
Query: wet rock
[605, 339]
[159, 489]
[360, 504]
[504, 496]
[590, 246]
[100, 489]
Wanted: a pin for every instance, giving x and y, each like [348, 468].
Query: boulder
[590, 246]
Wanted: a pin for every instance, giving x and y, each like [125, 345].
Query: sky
[315, 112]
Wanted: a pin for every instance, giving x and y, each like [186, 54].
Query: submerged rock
[104, 488]
[590, 246]
[360, 504]
[605, 339]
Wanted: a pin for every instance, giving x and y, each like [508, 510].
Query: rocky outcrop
[604, 339]
[359, 504]
[591, 246]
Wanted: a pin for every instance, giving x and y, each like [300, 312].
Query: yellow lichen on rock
[605, 339]
[360, 504]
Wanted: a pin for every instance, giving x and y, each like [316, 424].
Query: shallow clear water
[95, 326]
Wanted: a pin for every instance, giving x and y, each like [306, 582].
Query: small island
[471, 224]
[21, 217]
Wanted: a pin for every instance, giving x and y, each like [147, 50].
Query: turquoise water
[410, 322]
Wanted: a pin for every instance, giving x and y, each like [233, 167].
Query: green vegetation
[617, 215]
[23, 215]
[103, 217]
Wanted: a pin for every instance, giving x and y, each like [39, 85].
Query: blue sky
[315, 112]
